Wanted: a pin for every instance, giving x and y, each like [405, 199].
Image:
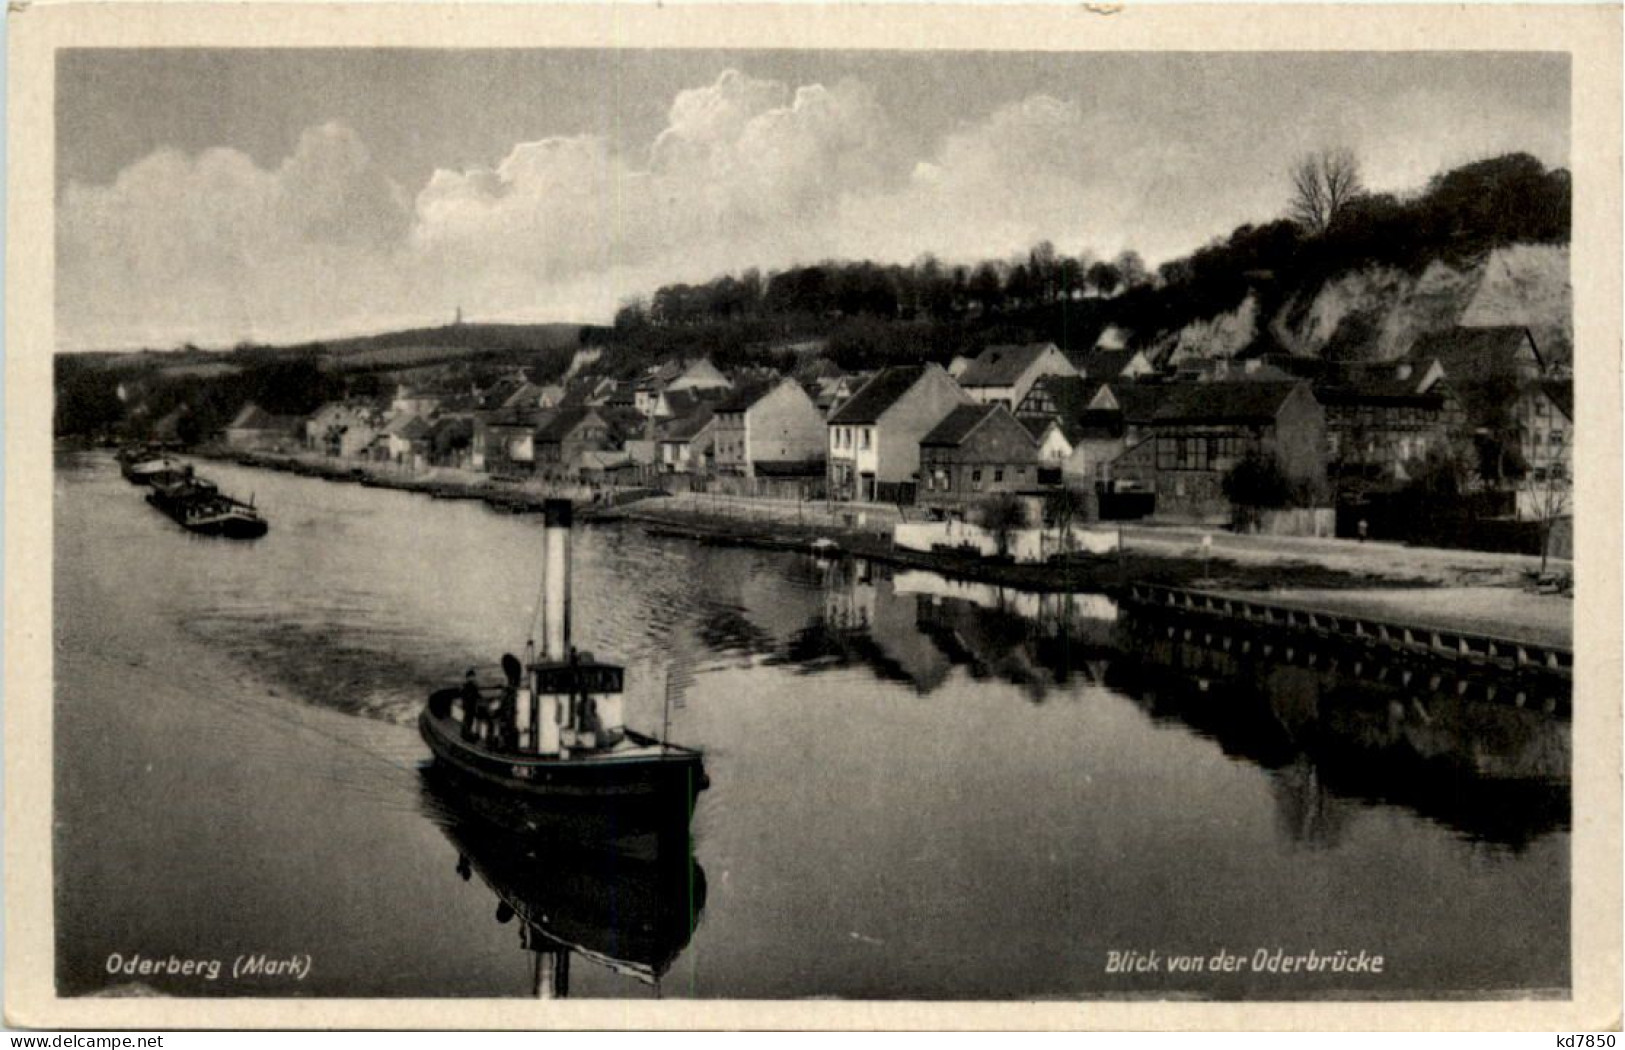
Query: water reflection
[1334, 731]
[628, 902]
[1334, 726]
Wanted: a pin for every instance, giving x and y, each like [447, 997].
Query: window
[868, 434]
[976, 480]
[998, 475]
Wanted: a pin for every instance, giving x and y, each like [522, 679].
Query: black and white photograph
[860, 523]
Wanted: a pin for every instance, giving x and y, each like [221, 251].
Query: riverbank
[1458, 589]
[520, 496]
[1082, 573]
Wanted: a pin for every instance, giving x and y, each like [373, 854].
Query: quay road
[1435, 564]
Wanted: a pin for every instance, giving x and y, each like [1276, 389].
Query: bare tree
[1323, 184]
[1062, 508]
[1547, 495]
[1004, 515]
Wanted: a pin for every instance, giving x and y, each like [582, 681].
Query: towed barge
[198, 506]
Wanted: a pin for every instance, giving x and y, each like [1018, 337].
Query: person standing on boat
[471, 705]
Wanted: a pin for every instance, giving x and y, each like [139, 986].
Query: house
[684, 444]
[1544, 413]
[1002, 375]
[1089, 416]
[622, 397]
[505, 441]
[767, 422]
[1382, 419]
[1098, 437]
[1053, 444]
[652, 384]
[343, 428]
[1199, 431]
[413, 402]
[564, 435]
[404, 436]
[977, 452]
[255, 428]
[1489, 370]
[874, 436]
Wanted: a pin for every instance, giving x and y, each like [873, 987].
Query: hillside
[1377, 313]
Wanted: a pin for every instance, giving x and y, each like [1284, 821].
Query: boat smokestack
[556, 600]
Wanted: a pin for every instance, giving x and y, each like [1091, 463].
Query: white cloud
[214, 248]
[746, 172]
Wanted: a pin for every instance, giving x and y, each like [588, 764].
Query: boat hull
[591, 795]
[236, 523]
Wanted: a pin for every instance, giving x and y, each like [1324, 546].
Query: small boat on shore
[197, 505]
[551, 734]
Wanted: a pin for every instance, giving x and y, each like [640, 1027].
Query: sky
[217, 196]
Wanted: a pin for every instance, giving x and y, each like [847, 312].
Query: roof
[1037, 426]
[398, 425]
[1471, 354]
[526, 416]
[686, 428]
[957, 425]
[1375, 387]
[1561, 391]
[742, 397]
[1102, 364]
[1138, 402]
[1002, 365]
[562, 422]
[1251, 402]
[498, 392]
[874, 398]
[253, 417]
[1070, 394]
[688, 399]
[789, 468]
[1096, 425]
[604, 460]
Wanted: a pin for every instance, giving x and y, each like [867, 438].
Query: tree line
[1331, 225]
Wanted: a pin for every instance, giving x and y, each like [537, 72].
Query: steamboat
[550, 739]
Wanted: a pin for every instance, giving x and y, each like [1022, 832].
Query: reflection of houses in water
[1338, 726]
[1030, 639]
[627, 900]
[915, 626]
[865, 620]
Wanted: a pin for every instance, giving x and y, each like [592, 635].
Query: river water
[919, 788]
